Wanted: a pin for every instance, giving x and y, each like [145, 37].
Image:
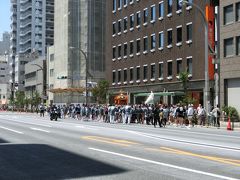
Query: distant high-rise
[5, 43]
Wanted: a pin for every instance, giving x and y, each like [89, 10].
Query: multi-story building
[79, 47]
[5, 43]
[4, 79]
[149, 43]
[230, 53]
[32, 31]
[50, 73]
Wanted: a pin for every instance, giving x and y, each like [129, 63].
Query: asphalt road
[37, 148]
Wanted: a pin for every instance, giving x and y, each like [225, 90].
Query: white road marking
[37, 129]
[195, 143]
[85, 127]
[165, 164]
[11, 130]
[44, 125]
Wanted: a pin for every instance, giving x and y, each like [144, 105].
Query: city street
[32, 147]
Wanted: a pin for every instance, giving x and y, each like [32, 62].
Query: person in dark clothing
[156, 117]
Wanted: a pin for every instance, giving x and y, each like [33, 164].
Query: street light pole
[207, 47]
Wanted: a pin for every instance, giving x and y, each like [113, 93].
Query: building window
[114, 77]
[238, 11]
[125, 50]
[138, 45]
[119, 76]
[160, 70]
[131, 47]
[145, 44]
[170, 68]
[179, 66]
[131, 1]
[138, 16]
[145, 72]
[138, 73]
[170, 38]
[228, 47]
[153, 13]
[179, 5]
[131, 74]
[179, 34]
[114, 52]
[125, 24]
[189, 32]
[51, 57]
[189, 65]
[119, 26]
[125, 2]
[161, 10]
[119, 4]
[51, 72]
[238, 45]
[125, 75]
[131, 21]
[114, 5]
[153, 71]
[114, 28]
[169, 9]
[153, 42]
[145, 16]
[228, 16]
[119, 51]
[161, 40]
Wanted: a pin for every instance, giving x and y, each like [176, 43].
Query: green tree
[36, 99]
[20, 99]
[183, 77]
[100, 91]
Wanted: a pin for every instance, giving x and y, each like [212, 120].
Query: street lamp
[207, 47]
[86, 66]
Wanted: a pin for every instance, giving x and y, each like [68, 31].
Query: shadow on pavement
[34, 161]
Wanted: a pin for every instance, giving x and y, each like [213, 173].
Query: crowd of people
[156, 115]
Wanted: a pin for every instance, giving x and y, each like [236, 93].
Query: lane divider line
[29, 123]
[42, 130]
[85, 127]
[163, 164]
[12, 130]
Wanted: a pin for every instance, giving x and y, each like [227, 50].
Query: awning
[177, 93]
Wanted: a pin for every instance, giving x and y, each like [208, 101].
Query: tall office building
[230, 53]
[149, 43]
[79, 31]
[5, 43]
[32, 30]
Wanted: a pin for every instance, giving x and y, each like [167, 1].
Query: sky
[4, 16]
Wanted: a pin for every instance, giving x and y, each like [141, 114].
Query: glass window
[119, 26]
[189, 65]
[153, 71]
[238, 45]
[119, 51]
[125, 50]
[51, 72]
[125, 75]
[153, 41]
[145, 72]
[145, 44]
[131, 74]
[179, 34]
[161, 40]
[179, 5]
[138, 46]
[114, 52]
[161, 10]
[114, 5]
[160, 70]
[145, 15]
[170, 68]
[119, 4]
[51, 57]
[138, 16]
[179, 66]
[138, 73]
[228, 47]
[153, 13]
[228, 16]
[119, 76]
[113, 76]
[170, 37]
[131, 21]
[170, 3]
[131, 47]
[131, 1]
[125, 24]
[114, 28]
[238, 11]
[189, 32]
[125, 2]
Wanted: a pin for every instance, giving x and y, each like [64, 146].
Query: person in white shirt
[190, 112]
